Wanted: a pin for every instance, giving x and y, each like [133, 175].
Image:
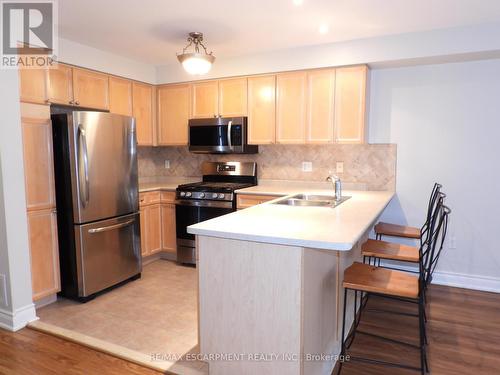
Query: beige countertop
[164, 183]
[326, 228]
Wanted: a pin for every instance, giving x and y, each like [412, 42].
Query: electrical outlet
[339, 167]
[167, 164]
[3, 291]
[307, 166]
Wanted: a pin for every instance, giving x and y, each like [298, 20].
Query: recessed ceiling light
[298, 2]
[323, 28]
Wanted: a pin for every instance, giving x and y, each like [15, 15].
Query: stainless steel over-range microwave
[220, 135]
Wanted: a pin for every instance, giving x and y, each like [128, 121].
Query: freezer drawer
[108, 252]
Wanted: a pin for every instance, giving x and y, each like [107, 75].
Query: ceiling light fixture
[196, 62]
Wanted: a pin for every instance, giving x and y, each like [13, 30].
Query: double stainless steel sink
[312, 200]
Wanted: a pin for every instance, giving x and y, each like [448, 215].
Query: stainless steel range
[213, 196]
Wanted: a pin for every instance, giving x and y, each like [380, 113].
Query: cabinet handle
[77, 103]
[54, 211]
[71, 102]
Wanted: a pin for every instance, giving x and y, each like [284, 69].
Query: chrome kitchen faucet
[337, 185]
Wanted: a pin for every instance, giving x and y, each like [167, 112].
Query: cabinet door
[262, 109]
[142, 99]
[233, 97]
[173, 114]
[90, 89]
[38, 156]
[291, 107]
[350, 104]
[168, 233]
[61, 84]
[152, 229]
[42, 227]
[33, 85]
[320, 105]
[144, 233]
[120, 96]
[205, 99]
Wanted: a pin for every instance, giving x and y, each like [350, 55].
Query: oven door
[191, 212]
[216, 135]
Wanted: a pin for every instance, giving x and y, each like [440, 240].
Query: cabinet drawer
[247, 200]
[149, 198]
[167, 197]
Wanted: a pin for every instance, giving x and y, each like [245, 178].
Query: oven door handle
[195, 203]
[229, 142]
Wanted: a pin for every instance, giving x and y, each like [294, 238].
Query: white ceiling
[152, 31]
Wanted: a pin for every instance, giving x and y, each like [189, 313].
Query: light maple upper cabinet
[142, 100]
[233, 97]
[173, 114]
[320, 105]
[38, 161]
[291, 107]
[205, 99]
[90, 89]
[350, 104]
[33, 85]
[262, 109]
[120, 96]
[60, 85]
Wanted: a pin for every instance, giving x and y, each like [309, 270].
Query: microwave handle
[229, 125]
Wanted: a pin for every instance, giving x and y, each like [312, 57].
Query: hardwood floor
[31, 352]
[463, 330]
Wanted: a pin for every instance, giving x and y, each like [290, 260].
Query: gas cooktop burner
[214, 186]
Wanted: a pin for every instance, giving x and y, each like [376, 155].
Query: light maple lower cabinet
[44, 253]
[249, 200]
[150, 229]
[262, 109]
[168, 233]
[173, 114]
[157, 215]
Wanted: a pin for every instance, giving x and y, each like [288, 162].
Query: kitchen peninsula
[270, 282]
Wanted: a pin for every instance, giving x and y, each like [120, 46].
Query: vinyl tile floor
[155, 315]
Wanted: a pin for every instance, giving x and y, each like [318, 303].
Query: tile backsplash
[372, 165]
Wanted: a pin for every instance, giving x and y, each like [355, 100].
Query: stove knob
[202, 195]
[188, 194]
[221, 196]
[182, 194]
[214, 195]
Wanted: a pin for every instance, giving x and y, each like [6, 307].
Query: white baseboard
[483, 283]
[14, 321]
[458, 280]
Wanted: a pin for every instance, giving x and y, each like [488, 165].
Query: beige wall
[373, 165]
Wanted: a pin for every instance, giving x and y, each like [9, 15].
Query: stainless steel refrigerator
[95, 158]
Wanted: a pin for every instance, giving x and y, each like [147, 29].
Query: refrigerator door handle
[112, 227]
[83, 166]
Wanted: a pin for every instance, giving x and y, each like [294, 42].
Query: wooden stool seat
[389, 250]
[388, 229]
[366, 278]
